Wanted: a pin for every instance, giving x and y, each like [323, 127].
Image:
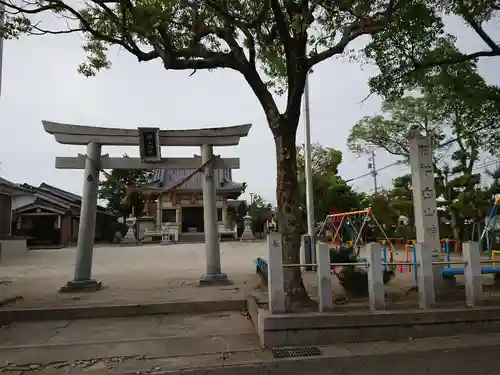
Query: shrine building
[182, 209]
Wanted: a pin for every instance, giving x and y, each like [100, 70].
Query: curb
[117, 311]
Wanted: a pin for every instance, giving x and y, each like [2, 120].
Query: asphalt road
[473, 361]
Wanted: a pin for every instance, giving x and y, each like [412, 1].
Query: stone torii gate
[150, 141]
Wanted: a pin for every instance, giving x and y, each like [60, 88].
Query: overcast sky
[40, 81]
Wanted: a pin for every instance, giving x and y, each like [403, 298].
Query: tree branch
[458, 58]
[282, 26]
[364, 26]
[57, 5]
[483, 34]
[241, 25]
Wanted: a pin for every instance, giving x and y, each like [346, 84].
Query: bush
[353, 279]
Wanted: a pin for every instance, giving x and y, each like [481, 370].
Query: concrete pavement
[147, 274]
[455, 361]
[218, 344]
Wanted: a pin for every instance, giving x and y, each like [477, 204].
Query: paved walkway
[102, 343]
[212, 343]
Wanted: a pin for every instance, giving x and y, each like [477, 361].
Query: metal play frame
[345, 218]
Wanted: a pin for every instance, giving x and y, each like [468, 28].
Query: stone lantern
[247, 232]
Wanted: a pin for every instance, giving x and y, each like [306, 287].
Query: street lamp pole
[308, 165]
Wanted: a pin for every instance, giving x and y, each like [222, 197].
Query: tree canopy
[408, 56]
[331, 192]
[112, 190]
[461, 118]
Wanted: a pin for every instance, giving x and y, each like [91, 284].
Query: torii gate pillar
[150, 141]
[82, 279]
[213, 266]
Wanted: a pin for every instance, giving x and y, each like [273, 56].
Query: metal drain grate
[311, 351]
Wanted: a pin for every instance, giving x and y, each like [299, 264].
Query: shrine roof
[170, 176]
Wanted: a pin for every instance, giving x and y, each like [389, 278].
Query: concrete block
[472, 272]
[340, 328]
[376, 293]
[325, 289]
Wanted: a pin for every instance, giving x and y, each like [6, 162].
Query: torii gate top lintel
[83, 135]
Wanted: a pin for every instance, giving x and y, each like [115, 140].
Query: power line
[399, 162]
[491, 162]
[444, 144]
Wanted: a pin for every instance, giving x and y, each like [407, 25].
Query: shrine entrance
[150, 141]
[192, 220]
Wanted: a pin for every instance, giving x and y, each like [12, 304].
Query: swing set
[356, 222]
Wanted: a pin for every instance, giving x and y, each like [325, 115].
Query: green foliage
[389, 131]
[458, 111]
[353, 279]
[416, 48]
[330, 190]
[261, 211]
[112, 190]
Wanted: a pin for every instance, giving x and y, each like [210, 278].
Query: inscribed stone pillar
[85, 246]
[213, 268]
[424, 196]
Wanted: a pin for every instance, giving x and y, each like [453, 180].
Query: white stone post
[425, 277]
[225, 216]
[159, 212]
[424, 196]
[472, 271]
[376, 292]
[85, 246]
[325, 290]
[213, 267]
[276, 283]
[178, 221]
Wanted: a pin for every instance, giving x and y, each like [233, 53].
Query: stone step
[138, 348]
[447, 355]
[191, 237]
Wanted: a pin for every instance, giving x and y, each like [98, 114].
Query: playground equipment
[445, 248]
[494, 254]
[448, 271]
[489, 231]
[337, 222]
[355, 222]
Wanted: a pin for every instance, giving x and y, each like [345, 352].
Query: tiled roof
[58, 194]
[170, 176]
[4, 181]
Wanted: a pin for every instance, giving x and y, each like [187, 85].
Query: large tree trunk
[289, 218]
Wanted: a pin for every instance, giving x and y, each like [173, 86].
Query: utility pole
[373, 168]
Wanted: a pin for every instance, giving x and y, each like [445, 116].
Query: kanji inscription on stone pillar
[424, 191]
